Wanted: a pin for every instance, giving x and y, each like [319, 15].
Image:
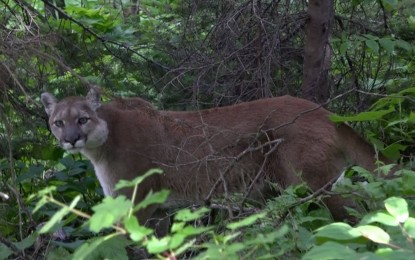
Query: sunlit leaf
[388, 253]
[191, 230]
[246, 221]
[379, 217]
[398, 208]
[374, 233]
[137, 232]
[155, 245]
[109, 212]
[409, 227]
[189, 215]
[338, 231]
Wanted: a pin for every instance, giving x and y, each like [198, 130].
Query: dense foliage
[184, 55]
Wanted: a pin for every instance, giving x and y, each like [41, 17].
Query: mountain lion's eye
[58, 123]
[83, 120]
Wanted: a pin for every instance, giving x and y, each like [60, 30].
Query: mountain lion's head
[74, 121]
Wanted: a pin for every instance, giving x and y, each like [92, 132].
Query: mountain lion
[209, 153]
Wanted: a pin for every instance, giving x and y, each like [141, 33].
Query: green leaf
[231, 236]
[374, 233]
[222, 251]
[372, 45]
[329, 251]
[46, 191]
[58, 253]
[58, 216]
[389, 253]
[385, 169]
[188, 215]
[155, 245]
[191, 230]
[404, 45]
[5, 251]
[27, 242]
[42, 202]
[177, 226]
[185, 247]
[129, 184]
[108, 247]
[364, 116]
[411, 117]
[393, 151]
[379, 217]
[409, 227]
[176, 241]
[398, 208]
[137, 232]
[344, 46]
[109, 212]
[153, 198]
[269, 238]
[387, 44]
[408, 181]
[338, 231]
[246, 221]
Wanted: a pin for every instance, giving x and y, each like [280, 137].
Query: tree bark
[317, 52]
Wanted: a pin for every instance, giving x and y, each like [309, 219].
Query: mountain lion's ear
[94, 97]
[49, 102]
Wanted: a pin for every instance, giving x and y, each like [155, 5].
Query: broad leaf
[393, 151]
[387, 44]
[374, 233]
[27, 242]
[137, 232]
[380, 217]
[398, 208]
[409, 227]
[372, 45]
[109, 212]
[338, 231]
[155, 245]
[330, 250]
[5, 252]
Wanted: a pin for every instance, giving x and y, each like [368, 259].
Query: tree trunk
[317, 52]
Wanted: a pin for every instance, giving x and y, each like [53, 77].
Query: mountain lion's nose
[72, 139]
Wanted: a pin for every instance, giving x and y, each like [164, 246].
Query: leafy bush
[284, 229]
[383, 234]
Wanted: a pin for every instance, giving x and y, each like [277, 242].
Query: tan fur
[195, 148]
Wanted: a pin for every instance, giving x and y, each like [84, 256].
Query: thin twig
[260, 171]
